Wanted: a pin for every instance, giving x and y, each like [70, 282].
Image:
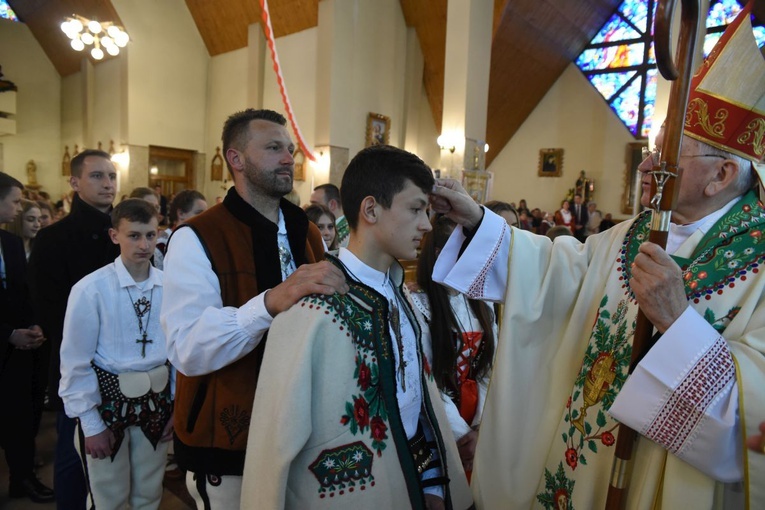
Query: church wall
[226, 94]
[574, 117]
[167, 75]
[297, 55]
[38, 108]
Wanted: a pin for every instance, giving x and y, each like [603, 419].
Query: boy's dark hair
[142, 192]
[78, 161]
[381, 171]
[6, 183]
[183, 202]
[331, 192]
[236, 126]
[133, 209]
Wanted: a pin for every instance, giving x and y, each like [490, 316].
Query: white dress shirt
[101, 326]
[203, 335]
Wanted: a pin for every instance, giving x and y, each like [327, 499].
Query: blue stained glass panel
[6, 11]
[709, 42]
[621, 63]
[616, 29]
[637, 12]
[627, 105]
[722, 12]
[759, 36]
[650, 101]
[614, 57]
[610, 83]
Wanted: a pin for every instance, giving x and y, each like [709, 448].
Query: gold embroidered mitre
[726, 107]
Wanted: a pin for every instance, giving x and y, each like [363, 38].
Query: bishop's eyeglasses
[655, 155]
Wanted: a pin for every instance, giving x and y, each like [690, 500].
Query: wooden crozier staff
[664, 188]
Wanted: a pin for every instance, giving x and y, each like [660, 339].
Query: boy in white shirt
[115, 378]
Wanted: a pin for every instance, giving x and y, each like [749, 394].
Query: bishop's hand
[657, 282]
[320, 278]
[450, 198]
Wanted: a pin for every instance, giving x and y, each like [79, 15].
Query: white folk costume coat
[547, 434]
[326, 430]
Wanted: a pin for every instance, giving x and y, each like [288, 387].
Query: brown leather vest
[212, 412]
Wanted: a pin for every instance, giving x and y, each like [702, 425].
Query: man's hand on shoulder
[450, 198]
[320, 278]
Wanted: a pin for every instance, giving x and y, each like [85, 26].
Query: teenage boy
[115, 379]
[361, 427]
[62, 255]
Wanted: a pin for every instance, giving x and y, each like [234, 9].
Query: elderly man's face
[699, 170]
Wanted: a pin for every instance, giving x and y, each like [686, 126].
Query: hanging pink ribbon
[269, 33]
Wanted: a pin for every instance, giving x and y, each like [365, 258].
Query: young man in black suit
[62, 254]
[21, 339]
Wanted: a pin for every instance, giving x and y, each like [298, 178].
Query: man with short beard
[230, 271]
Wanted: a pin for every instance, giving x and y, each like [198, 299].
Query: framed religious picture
[216, 166]
[378, 129]
[550, 163]
[299, 168]
[65, 162]
[477, 183]
[633, 158]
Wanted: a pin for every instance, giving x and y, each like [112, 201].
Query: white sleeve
[683, 395]
[202, 335]
[481, 271]
[79, 385]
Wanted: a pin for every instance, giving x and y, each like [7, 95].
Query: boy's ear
[368, 210]
[113, 236]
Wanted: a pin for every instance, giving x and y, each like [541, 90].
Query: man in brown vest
[237, 266]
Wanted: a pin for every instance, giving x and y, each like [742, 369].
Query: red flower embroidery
[378, 429]
[747, 208]
[756, 233]
[607, 438]
[361, 412]
[365, 377]
[568, 404]
[572, 458]
[702, 275]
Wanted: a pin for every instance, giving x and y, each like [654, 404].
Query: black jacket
[15, 302]
[64, 253]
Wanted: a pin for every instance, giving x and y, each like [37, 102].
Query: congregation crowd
[280, 357]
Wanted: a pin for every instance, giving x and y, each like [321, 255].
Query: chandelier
[101, 35]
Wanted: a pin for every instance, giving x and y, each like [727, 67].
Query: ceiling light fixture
[101, 35]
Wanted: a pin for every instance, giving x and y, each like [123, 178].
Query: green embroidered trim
[604, 370]
[343, 230]
[366, 411]
[727, 253]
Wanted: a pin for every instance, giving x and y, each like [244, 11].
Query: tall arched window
[619, 62]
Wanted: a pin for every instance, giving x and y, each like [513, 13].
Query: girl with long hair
[322, 217]
[461, 344]
[27, 224]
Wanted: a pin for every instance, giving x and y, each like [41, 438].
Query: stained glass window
[6, 11]
[620, 64]
[619, 61]
[721, 14]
